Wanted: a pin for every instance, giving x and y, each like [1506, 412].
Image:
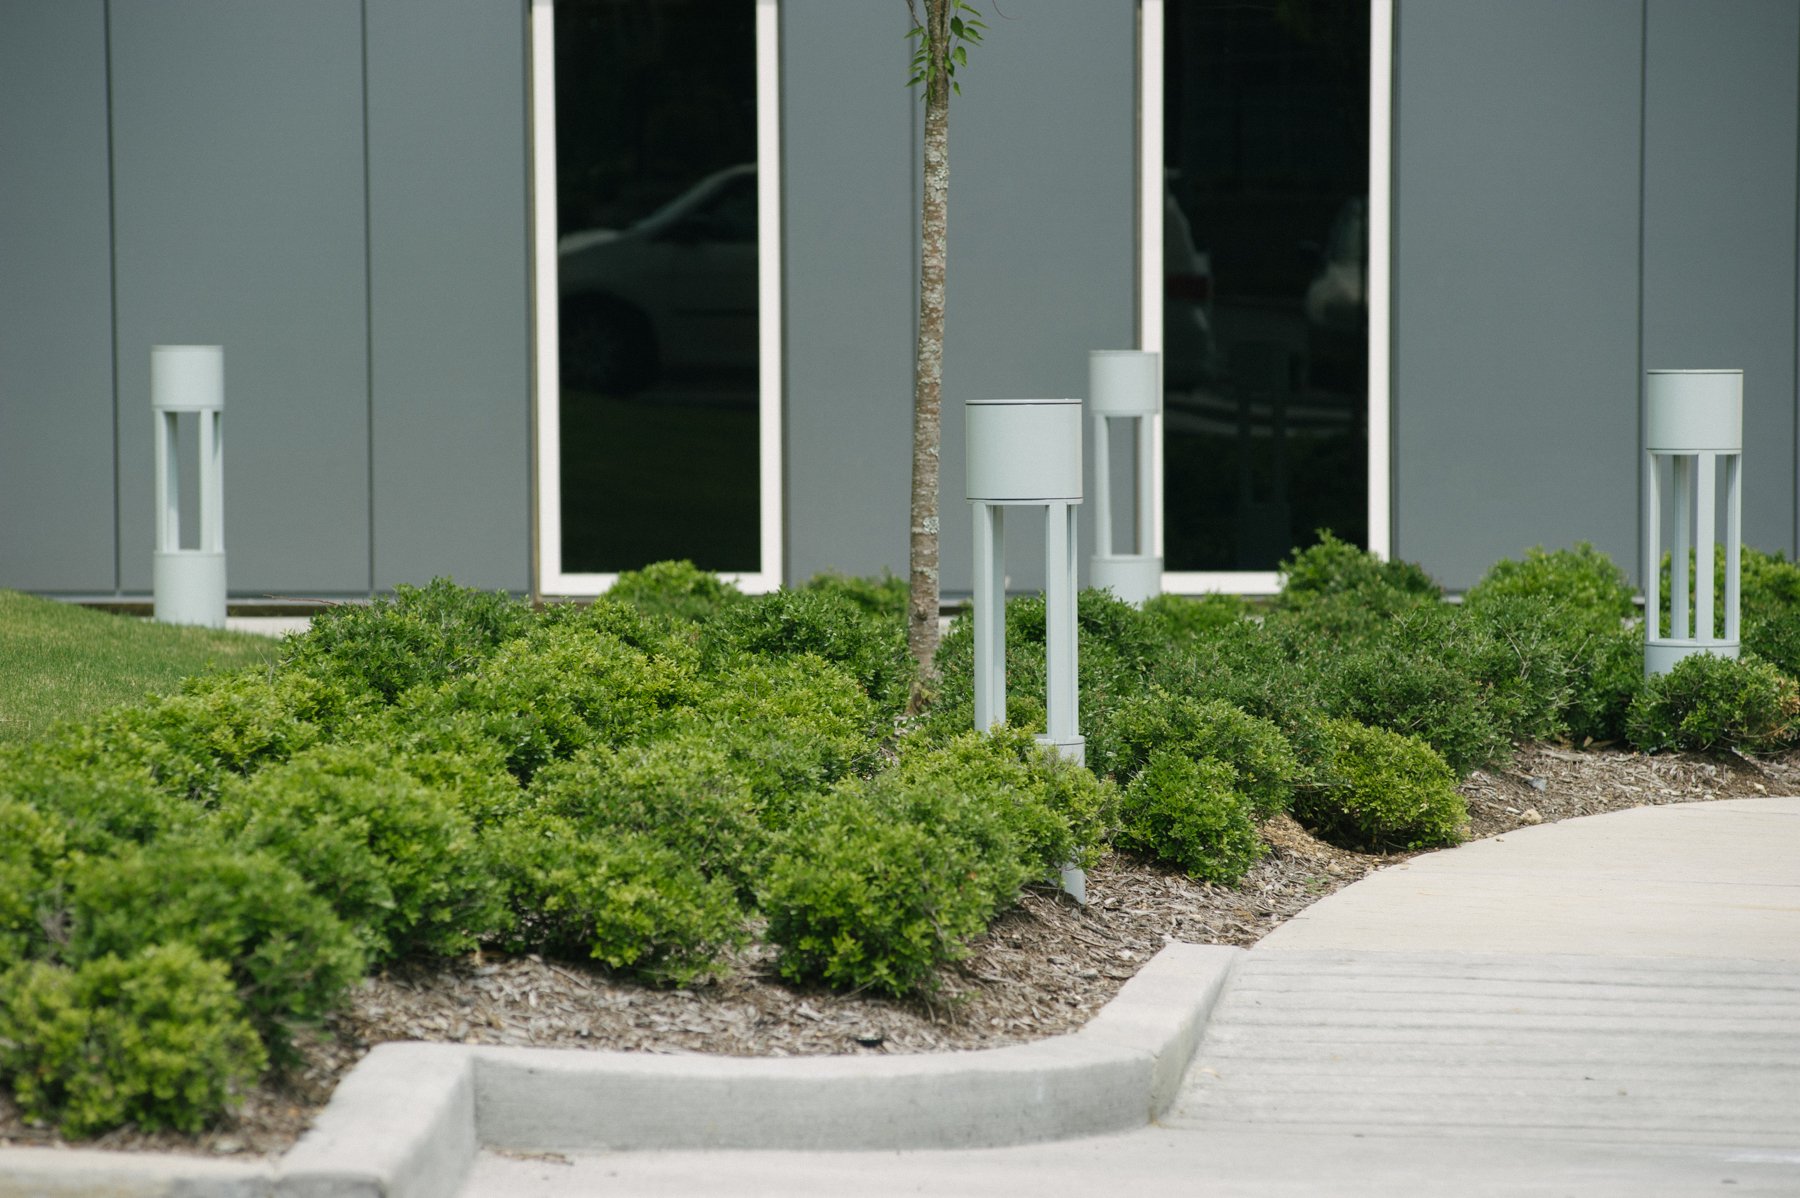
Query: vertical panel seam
[112, 286]
[368, 298]
[527, 71]
[1644, 565]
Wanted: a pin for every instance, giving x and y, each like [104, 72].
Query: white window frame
[1378, 283]
[550, 578]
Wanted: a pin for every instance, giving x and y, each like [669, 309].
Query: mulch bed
[1041, 970]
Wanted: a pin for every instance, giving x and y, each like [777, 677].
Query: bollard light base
[189, 586]
[1134, 579]
[1660, 656]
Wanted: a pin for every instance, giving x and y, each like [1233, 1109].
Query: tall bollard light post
[189, 583]
[1125, 395]
[1027, 452]
[1693, 431]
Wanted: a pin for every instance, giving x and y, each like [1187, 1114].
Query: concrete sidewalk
[1608, 1006]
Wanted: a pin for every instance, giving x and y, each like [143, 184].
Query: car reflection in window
[670, 300]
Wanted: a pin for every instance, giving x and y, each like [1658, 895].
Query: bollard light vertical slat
[1027, 452]
[1693, 426]
[188, 584]
[1125, 389]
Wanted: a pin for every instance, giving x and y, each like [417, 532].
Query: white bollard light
[1693, 428]
[1124, 389]
[1027, 452]
[189, 584]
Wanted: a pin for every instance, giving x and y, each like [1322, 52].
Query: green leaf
[956, 26]
[956, 86]
[961, 56]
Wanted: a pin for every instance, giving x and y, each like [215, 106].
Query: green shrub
[1181, 619]
[1527, 652]
[880, 882]
[1058, 812]
[96, 801]
[1387, 791]
[217, 727]
[1602, 696]
[419, 637]
[157, 1039]
[675, 590]
[829, 625]
[680, 792]
[1189, 813]
[1250, 668]
[398, 860]
[1592, 587]
[1263, 763]
[545, 696]
[1397, 684]
[623, 899]
[1707, 702]
[290, 956]
[1334, 567]
[32, 849]
[883, 597]
[789, 726]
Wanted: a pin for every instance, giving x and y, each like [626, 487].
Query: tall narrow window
[660, 439]
[1265, 253]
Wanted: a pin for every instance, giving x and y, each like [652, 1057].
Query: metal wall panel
[449, 258]
[239, 200]
[1719, 239]
[850, 199]
[56, 401]
[1516, 280]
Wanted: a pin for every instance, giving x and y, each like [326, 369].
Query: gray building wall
[1584, 191]
[335, 192]
[56, 377]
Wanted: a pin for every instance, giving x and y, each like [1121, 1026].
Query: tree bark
[928, 362]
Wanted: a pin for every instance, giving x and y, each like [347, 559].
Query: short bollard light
[189, 584]
[1693, 427]
[1027, 452]
[1124, 389]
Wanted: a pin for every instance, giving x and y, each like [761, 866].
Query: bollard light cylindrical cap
[1024, 450]
[187, 378]
[1690, 411]
[1124, 382]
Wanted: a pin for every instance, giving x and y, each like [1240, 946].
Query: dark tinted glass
[1265, 328]
[656, 211]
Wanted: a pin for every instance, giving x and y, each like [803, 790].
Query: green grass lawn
[59, 661]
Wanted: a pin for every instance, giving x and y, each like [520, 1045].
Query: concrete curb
[409, 1119]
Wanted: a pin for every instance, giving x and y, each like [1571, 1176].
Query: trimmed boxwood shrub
[1058, 812]
[884, 597]
[157, 1039]
[681, 792]
[789, 726]
[220, 726]
[1189, 813]
[623, 899]
[676, 591]
[421, 636]
[32, 848]
[1603, 694]
[829, 625]
[1333, 567]
[1264, 765]
[289, 954]
[1184, 619]
[879, 883]
[1707, 702]
[564, 687]
[1592, 587]
[1386, 792]
[399, 861]
[95, 803]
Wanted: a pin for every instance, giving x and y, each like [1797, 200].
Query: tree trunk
[928, 363]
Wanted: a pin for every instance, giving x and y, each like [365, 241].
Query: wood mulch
[1041, 970]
